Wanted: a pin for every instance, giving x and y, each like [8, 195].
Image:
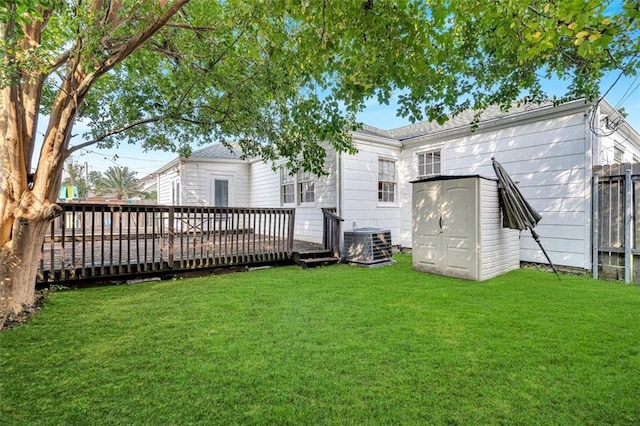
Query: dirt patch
[15, 319]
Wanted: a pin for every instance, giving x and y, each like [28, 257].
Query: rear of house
[549, 151]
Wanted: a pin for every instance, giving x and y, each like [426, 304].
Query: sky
[625, 93]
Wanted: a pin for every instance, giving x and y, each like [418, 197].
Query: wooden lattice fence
[616, 236]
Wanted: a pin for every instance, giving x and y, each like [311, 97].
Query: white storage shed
[457, 228]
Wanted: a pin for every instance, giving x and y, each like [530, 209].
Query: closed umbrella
[517, 213]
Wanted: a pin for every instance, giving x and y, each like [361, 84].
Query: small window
[386, 181]
[429, 163]
[175, 192]
[618, 154]
[287, 186]
[306, 187]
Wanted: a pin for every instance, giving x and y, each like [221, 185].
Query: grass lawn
[334, 345]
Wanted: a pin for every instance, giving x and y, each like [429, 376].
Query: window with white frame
[287, 186]
[175, 192]
[429, 163]
[306, 187]
[618, 153]
[386, 181]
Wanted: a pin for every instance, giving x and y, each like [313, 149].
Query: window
[618, 154]
[429, 163]
[306, 187]
[386, 181]
[175, 192]
[287, 185]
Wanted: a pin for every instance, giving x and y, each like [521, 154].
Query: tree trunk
[19, 263]
[27, 204]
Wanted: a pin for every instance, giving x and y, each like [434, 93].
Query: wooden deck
[92, 241]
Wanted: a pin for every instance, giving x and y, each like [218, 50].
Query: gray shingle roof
[219, 150]
[463, 119]
[371, 130]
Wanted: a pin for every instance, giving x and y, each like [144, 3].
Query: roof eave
[501, 122]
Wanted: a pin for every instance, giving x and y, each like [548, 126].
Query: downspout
[339, 195]
[591, 181]
[338, 183]
[180, 197]
[158, 188]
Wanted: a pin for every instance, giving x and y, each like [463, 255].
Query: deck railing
[106, 241]
[331, 231]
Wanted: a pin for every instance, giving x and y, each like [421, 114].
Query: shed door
[427, 233]
[445, 227]
[459, 228]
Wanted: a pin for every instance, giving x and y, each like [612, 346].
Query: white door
[427, 230]
[220, 191]
[459, 228]
[445, 227]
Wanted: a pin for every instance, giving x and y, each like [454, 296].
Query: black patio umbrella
[517, 213]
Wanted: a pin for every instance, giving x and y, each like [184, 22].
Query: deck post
[292, 225]
[171, 231]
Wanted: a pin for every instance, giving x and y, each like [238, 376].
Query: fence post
[628, 194]
[292, 226]
[595, 220]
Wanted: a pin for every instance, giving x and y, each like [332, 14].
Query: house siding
[609, 141]
[360, 206]
[164, 185]
[498, 246]
[265, 185]
[265, 192]
[547, 160]
[196, 182]
[198, 178]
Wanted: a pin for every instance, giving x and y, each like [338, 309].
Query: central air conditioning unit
[367, 246]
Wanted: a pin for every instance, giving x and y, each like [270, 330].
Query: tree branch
[126, 49]
[189, 27]
[114, 132]
[129, 126]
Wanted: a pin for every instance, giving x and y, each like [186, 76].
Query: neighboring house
[212, 176]
[550, 151]
[149, 184]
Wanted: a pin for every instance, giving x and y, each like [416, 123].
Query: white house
[550, 151]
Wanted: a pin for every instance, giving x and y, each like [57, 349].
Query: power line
[126, 158]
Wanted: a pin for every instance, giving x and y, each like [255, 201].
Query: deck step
[314, 258]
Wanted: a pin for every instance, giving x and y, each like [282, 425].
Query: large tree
[276, 75]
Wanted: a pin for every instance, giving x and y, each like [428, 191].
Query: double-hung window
[386, 181]
[306, 187]
[287, 186]
[429, 163]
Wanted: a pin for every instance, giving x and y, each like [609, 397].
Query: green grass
[335, 345]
